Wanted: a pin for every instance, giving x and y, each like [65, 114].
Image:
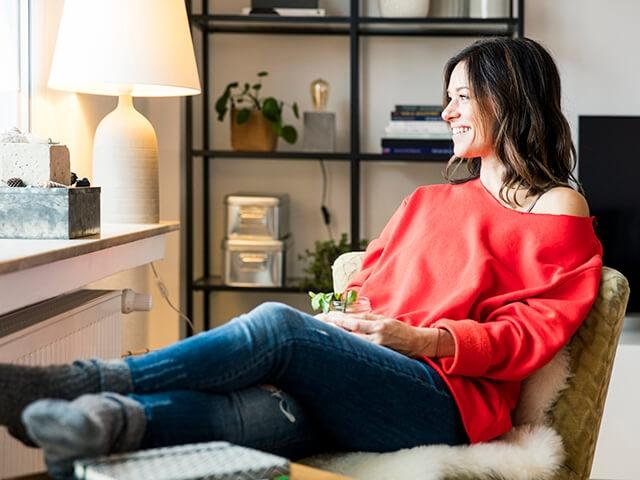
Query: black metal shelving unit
[354, 26]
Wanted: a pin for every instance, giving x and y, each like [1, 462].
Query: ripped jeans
[279, 380]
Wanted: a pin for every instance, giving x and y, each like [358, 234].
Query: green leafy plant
[323, 300]
[248, 99]
[319, 261]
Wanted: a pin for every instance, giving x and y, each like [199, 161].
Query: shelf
[367, 26]
[365, 157]
[272, 155]
[272, 24]
[213, 284]
[353, 29]
[389, 157]
[33, 270]
[437, 27]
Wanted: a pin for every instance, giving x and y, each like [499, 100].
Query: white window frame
[19, 95]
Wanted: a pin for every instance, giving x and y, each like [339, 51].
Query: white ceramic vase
[404, 8]
[488, 8]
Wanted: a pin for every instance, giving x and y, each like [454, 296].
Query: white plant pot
[404, 8]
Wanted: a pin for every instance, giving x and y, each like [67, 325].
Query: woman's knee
[278, 317]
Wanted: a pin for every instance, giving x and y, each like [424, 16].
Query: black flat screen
[609, 170]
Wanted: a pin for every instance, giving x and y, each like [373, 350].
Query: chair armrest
[344, 267]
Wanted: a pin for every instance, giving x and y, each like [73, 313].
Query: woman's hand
[389, 332]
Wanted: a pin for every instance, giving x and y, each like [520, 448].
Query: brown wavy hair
[516, 85]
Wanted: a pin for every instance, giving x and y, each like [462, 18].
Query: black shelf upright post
[206, 191]
[188, 132]
[354, 39]
[521, 18]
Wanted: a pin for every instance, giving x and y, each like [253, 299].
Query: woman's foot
[20, 385]
[89, 426]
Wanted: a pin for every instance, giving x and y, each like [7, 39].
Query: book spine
[409, 116]
[284, 3]
[418, 123]
[417, 151]
[417, 136]
[428, 127]
[435, 109]
[289, 12]
[415, 142]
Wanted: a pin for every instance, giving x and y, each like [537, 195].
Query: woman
[474, 285]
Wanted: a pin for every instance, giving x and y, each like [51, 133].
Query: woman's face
[470, 139]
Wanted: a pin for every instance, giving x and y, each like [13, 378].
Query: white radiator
[83, 324]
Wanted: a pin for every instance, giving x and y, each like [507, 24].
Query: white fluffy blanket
[530, 451]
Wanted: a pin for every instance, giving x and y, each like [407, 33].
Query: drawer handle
[252, 214]
[253, 258]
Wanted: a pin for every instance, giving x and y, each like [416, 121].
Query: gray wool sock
[89, 426]
[20, 385]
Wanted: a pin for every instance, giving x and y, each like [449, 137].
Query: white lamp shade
[139, 47]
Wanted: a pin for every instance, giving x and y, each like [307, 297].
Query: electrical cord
[326, 214]
[164, 291]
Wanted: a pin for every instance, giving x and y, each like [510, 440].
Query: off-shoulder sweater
[511, 288]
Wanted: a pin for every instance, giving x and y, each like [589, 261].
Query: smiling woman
[503, 105]
[14, 77]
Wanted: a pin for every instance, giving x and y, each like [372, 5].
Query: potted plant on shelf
[256, 123]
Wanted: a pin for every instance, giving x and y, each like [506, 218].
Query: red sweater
[511, 287]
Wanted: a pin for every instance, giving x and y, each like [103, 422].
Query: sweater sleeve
[520, 337]
[376, 248]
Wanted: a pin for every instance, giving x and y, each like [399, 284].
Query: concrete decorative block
[35, 163]
[319, 131]
[51, 213]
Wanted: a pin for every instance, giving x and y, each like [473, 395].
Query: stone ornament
[36, 160]
[15, 182]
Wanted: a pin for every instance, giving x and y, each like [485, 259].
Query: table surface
[21, 254]
[298, 472]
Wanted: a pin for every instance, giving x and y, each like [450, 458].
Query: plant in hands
[248, 99]
[323, 300]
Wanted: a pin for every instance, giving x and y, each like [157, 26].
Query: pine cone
[15, 182]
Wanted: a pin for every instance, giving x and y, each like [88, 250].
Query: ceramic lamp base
[125, 165]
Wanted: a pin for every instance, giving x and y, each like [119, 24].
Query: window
[14, 55]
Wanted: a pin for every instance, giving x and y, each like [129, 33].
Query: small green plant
[248, 99]
[323, 300]
[319, 261]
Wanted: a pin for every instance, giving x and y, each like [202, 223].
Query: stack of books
[419, 130]
[289, 8]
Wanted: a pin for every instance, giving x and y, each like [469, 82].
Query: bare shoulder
[562, 201]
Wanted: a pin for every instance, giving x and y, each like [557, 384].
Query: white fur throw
[529, 451]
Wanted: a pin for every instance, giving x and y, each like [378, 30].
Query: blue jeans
[279, 380]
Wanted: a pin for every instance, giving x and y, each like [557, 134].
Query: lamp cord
[326, 214]
[164, 291]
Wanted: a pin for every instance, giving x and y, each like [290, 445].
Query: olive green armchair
[557, 420]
